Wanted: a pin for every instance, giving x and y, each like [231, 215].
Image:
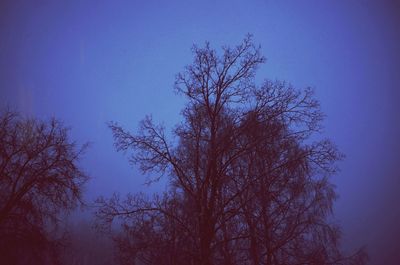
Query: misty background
[90, 62]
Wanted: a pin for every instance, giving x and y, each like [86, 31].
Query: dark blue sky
[89, 62]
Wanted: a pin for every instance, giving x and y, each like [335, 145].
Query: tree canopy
[248, 173]
[39, 180]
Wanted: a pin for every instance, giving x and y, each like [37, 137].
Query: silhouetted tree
[247, 184]
[39, 180]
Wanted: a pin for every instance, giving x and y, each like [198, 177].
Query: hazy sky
[89, 62]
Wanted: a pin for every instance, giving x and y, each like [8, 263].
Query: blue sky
[89, 62]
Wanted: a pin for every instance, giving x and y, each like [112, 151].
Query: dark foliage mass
[247, 170]
[39, 180]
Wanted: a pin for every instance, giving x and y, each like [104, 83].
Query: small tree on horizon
[39, 181]
[246, 183]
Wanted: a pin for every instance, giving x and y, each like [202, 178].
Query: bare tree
[251, 187]
[39, 180]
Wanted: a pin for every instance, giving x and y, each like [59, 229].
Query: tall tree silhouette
[39, 179]
[247, 184]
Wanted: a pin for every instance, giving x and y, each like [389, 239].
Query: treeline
[248, 177]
